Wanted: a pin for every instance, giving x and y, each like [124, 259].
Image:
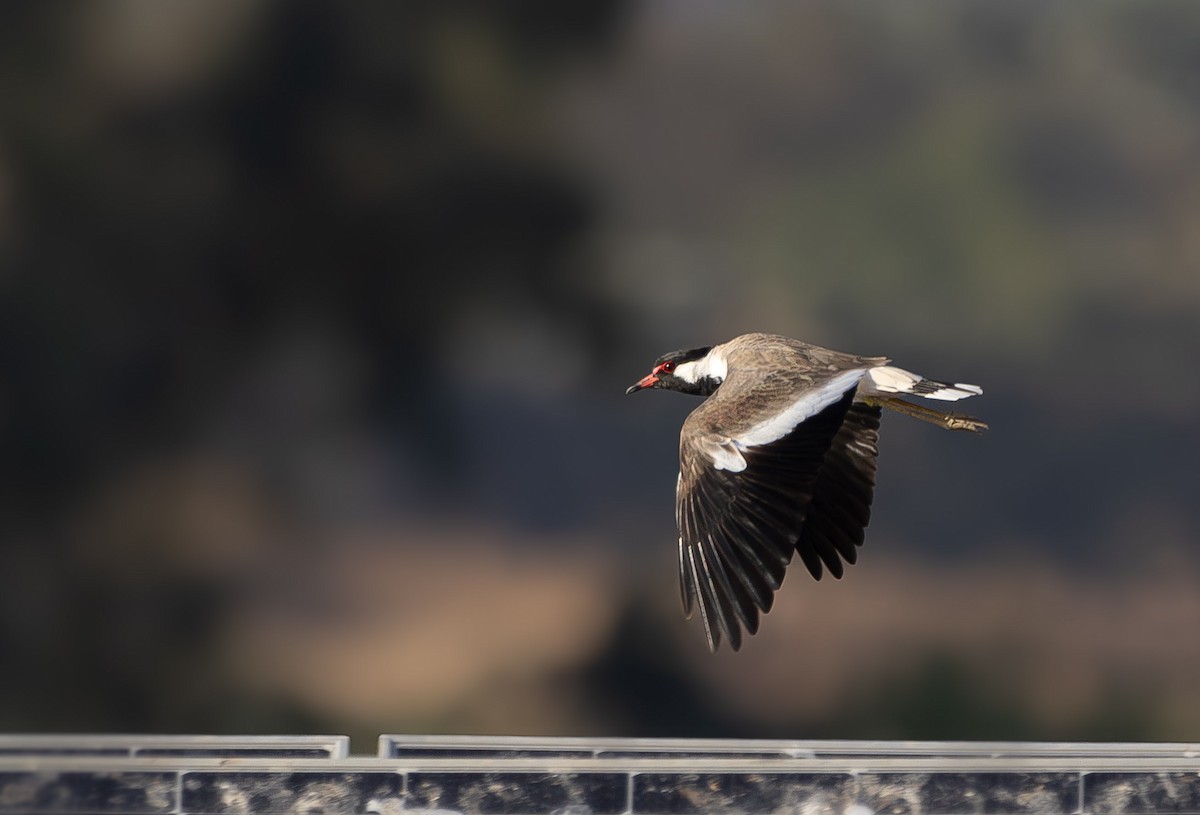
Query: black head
[663, 374]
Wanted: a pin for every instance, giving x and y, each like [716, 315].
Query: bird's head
[695, 371]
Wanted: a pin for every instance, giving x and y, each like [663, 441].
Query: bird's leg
[948, 421]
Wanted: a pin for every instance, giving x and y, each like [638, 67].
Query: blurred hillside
[315, 322]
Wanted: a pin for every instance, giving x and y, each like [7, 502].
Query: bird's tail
[888, 379]
[881, 383]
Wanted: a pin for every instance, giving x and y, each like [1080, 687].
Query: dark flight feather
[739, 529]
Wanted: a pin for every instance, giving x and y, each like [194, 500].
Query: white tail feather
[890, 379]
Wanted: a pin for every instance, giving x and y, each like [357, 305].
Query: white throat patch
[710, 366]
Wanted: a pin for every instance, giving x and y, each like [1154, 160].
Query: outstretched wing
[741, 504]
[841, 504]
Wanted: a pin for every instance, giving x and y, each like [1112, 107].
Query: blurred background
[316, 319]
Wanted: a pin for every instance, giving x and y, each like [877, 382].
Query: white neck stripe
[710, 366]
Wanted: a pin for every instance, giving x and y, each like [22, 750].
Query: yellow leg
[948, 421]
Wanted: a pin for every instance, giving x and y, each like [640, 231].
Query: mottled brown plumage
[779, 460]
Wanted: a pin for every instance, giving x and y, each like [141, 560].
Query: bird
[779, 460]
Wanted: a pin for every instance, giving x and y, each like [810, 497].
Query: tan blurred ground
[436, 625]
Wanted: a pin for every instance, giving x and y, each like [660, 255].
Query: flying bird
[778, 460]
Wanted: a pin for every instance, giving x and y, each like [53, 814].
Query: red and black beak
[647, 381]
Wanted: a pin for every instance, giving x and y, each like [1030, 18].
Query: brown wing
[738, 530]
[841, 504]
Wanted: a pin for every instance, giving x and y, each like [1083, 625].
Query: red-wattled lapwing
[779, 458]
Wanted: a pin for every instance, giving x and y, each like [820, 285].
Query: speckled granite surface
[422, 774]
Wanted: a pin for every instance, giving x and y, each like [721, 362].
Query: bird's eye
[668, 367]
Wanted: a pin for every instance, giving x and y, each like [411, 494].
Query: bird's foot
[947, 421]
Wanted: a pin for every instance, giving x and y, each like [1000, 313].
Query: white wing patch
[725, 454]
[809, 404]
[890, 379]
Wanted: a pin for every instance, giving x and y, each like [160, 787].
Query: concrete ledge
[314, 774]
